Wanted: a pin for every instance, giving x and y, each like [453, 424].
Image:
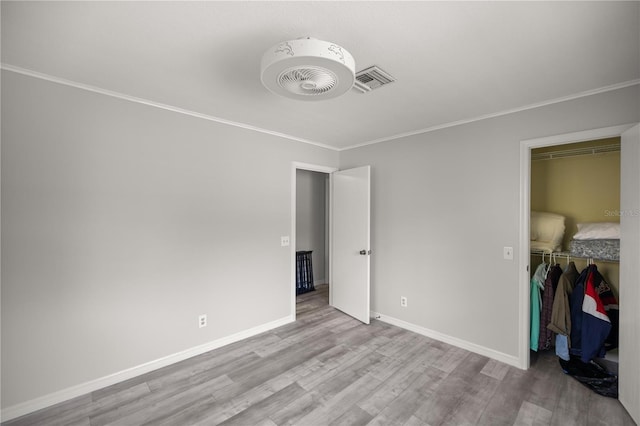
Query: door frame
[295, 166]
[525, 208]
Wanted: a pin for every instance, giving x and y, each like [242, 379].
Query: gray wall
[311, 218]
[445, 203]
[121, 223]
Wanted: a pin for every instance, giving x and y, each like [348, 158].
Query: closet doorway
[629, 373]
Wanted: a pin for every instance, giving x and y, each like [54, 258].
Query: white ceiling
[454, 61]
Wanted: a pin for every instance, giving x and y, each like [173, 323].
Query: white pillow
[598, 231]
[547, 231]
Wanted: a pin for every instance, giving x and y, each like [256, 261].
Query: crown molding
[167, 107]
[95, 89]
[498, 114]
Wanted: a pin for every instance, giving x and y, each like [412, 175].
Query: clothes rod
[551, 253]
[553, 155]
[567, 255]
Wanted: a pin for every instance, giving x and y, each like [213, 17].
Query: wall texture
[311, 218]
[121, 223]
[445, 203]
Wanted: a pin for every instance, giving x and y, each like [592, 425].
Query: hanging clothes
[575, 305]
[591, 302]
[560, 322]
[610, 304]
[545, 340]
[537, 284]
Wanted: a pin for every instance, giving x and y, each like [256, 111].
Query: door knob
[365, 252]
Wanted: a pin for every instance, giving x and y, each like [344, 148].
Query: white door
[629, 378]
[350, 251]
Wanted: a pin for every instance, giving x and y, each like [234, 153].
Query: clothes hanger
[566, 268]
[547, 266]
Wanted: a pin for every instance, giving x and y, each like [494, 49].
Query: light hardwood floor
[328, 369]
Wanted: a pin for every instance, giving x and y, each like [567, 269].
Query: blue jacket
[590, 322]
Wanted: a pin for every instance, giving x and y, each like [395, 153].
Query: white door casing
[629, 339]
[350, 242]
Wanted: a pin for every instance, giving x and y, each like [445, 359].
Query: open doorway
[310, 232]
[575, 194]
[629, 374]
[560, 142]
[347, 235]
[312, 240]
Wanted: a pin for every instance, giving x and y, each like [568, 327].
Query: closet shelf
[567, 255]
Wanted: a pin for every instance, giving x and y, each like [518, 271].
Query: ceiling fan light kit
[308, 69]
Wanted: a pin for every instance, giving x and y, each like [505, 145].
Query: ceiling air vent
[372, 78]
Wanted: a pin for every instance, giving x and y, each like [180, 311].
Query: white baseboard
[45, 401]
[472, 347]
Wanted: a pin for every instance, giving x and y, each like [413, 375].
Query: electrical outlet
[403, 301]
[202, 320]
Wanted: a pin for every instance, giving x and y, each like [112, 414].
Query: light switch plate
[508, 253]
[284, 241]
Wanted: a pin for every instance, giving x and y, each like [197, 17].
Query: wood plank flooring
[329, 369]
